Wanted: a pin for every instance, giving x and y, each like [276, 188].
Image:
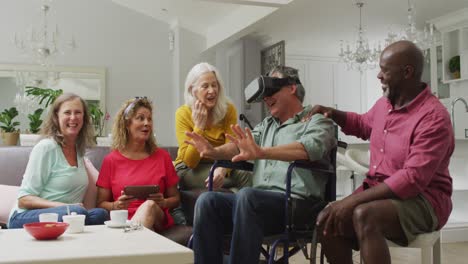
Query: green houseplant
[454, 66]
[10, 132]
[98, 118]
[35, 121]
[44, 95]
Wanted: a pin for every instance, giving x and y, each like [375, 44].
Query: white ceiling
[321, 24]
[196, 15]
[289, 18]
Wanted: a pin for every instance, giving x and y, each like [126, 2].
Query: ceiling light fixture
[362, 58]
[42, 44]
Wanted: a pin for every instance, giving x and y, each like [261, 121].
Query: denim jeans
[95, 216]
[249, 214]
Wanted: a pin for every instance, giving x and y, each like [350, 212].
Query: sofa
[13, 161]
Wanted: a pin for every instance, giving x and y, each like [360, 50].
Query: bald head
[405, 53]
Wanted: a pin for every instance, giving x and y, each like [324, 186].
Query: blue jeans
[249, 214]
[95, 216]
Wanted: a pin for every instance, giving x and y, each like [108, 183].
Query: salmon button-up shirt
[410, 149]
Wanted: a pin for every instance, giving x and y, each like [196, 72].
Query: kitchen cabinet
[328, 82]
[433, 72]
[454, 30]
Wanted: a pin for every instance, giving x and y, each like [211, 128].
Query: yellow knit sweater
[215, 134]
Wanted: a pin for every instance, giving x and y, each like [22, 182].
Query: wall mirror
[87, 82]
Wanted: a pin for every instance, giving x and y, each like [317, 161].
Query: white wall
[133, 48]
[239, 64]
[187, 48]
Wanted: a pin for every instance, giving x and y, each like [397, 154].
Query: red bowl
[45, 230]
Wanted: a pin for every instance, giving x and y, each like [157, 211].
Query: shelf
[454, 80]
[455, 43]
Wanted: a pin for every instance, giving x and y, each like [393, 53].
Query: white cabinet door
[329, 83]
[316, 77]
[320, 89]
[350, 95]
[348, 92]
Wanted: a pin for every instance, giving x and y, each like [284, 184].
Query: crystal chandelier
[42, 44]
[362, 58]
[423, 39]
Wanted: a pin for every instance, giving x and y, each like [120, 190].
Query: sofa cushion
[13, 161]
[96, 155]
[179, 234]
[8, 200]
[89, 200]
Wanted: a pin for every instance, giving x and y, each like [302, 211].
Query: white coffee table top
[97, 244]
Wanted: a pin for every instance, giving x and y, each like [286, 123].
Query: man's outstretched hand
[201, 144]
[248, 149]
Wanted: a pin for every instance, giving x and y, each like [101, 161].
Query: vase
[104, 141]
[456, 75]
[29, 139]
[10, 138]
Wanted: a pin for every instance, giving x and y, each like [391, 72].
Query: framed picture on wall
[272, 56]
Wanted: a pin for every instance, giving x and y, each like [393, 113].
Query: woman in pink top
[136, 160]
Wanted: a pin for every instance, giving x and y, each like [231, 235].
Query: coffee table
[97, 244]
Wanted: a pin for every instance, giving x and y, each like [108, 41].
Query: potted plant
[35, 123]
[98, 119]
[46, 95]
[454, 66]
[10, 133]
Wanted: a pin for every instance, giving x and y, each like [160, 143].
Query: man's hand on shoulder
[318, 109]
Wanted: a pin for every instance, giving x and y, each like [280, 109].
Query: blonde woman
[55, 177]
[136, 160]
[207, 112]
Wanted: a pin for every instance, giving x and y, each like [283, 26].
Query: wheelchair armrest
[342, 144]
[241, 165]
[316, 166]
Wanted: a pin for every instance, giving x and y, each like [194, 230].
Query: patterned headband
[132, 104]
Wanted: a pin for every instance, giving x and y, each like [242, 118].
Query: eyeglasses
[132, 104]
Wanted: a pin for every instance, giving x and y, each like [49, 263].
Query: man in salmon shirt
[408, 188]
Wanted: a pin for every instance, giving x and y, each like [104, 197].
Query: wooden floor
[452, 253]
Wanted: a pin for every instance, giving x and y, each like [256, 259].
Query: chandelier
[423, 39]
[362, 58]
[42, 44]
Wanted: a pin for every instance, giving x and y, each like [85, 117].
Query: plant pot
[10, 138]
[29, 139]
[456, 75]
[104, 141]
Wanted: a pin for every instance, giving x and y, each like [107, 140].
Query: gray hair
[220, 109]
[285, 71]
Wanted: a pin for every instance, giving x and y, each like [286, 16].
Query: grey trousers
[190, 179]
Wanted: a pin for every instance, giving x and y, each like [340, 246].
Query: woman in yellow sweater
[208, 112]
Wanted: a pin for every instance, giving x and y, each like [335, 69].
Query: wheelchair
[294, 238]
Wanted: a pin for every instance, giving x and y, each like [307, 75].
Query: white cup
[76, 222]
[119, 217]
[48, 217]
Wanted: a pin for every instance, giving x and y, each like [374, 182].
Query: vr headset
[264, 86]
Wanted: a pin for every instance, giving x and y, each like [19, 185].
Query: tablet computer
[141, 192]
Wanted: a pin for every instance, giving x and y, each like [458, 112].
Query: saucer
[116, 225]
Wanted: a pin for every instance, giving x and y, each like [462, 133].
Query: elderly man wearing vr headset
[280, 138]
